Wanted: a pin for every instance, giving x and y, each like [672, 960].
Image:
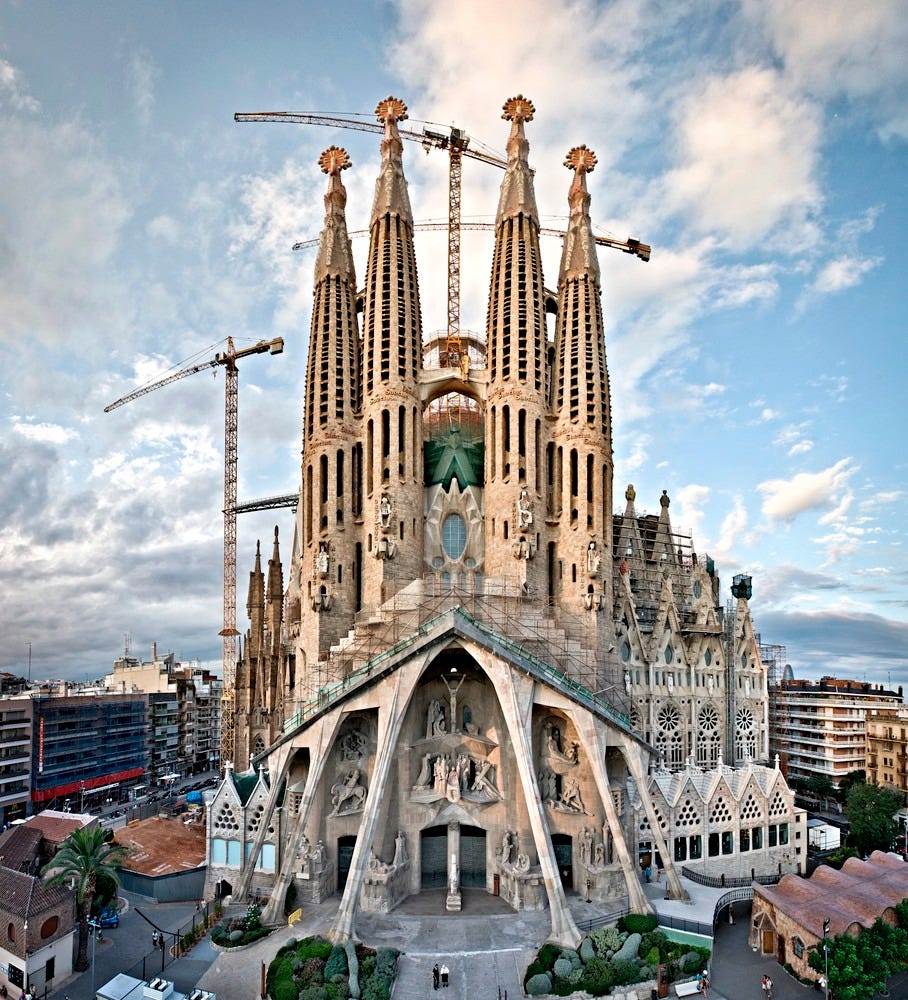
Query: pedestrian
[705, 984]
[436, 975]
[445, 972]
[766, 987]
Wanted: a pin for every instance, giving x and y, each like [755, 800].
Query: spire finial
[581, 159]
[518, 109]
[391, 109]
[334, 160]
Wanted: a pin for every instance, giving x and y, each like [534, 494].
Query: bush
[587, 950]
[377, 988]
[652, 956]
[539, 985]
[606, 939]
[313, 973]
[638, 923]
[598, 977]
[563, 968]
[625, 973]
[547, 955]
[314, 947]
[284, 989]
[336, 964]
[313, 993]
[386, 962]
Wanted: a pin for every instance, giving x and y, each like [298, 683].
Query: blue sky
[758, 362]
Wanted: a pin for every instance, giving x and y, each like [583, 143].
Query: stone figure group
[452, 775]
[348, 794]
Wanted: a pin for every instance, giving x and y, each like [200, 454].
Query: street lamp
[81, 797]
[826, 957]
[95, 931]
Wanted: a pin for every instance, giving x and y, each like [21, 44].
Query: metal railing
[722, 881]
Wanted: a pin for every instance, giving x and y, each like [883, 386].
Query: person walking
[445, 972]
[436, 976]
[766, 987]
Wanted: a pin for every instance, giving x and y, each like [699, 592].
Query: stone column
[590, 731]
[515, 695]
[453, 902]
[633, 754]
[321, 737]
[395, 701]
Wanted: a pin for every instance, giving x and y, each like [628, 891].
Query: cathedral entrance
[563, 844]
[345, 847]
[433, 856]
[472, 857]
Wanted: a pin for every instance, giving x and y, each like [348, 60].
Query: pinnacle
[581, 159]
[391, 109]
[334, 160]
[518, 109]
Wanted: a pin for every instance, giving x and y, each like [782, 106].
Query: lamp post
[826, 957]
[81, 797]
[95, 930]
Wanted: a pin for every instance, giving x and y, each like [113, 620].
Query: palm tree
[82, 858]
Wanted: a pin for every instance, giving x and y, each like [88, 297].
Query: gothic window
[707, 657]
[258, 746]
[668, 654]
[625, 652]
[708, 742]
[745, 737]
[668, 718]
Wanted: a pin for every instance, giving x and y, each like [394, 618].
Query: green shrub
[657, 940]
[386, 962]
[598, 978]
[378, 987]
[563, 968]
[638, 923]
[336, 964]
[284, 989]
[547, 955]
[625, 973]
[314, 947]
[219, 936]
[606, 939]
[652, 956]
[313, 972]
[313, 993]
[539, 985]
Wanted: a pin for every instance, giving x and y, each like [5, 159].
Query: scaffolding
[554, 645]
[774, 657]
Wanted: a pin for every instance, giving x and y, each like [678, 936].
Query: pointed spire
[517, 195]
[334, 255]
[579, 257]
[275, 572]
[391, 197]
[256, 594]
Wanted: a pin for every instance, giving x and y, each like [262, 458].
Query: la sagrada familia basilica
[478, 674]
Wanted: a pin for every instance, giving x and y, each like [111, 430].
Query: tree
[80, 862]
[851, 779]
[849, 977]
[820, 785]
[870, 810]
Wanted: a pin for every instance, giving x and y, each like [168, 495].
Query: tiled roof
[19, 893]
[55, 827]
[19, 846]
[859, 893]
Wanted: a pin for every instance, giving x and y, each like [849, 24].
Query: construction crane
[226, 360]
[457, 143]
[630, 245]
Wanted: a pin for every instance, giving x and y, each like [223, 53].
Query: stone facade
[479, 662]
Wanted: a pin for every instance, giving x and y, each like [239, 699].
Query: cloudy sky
[758, 362]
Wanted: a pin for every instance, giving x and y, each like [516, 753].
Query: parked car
[109, 917]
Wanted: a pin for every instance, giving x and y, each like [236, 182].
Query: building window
[714, 845]
[680, 849]
[49, 927]
[773, 835]
[744, 840]
[783, 833]
[797, 946]
[756, 835]
[454, 536]
[11, 932]
[728, 842]
[696, 847]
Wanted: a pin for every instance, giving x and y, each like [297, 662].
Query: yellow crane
[226, 360]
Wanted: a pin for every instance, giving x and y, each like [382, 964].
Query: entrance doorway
[345, 847]
[472, 857]
[433, 857]
[563, 844]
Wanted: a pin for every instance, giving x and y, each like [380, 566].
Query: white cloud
[748, 150]
[165, 228]
[44, 432]
[843, 272]
[143, 75]
[801, 447]
[785, 499]
[858, 50]
[733, 526]
[15, 91]
[692, 500]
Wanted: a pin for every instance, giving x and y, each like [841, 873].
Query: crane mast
[226, 360]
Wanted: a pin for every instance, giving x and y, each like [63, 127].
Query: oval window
[625, 652]
[744, 660]
[668, 654]
[49, 927]
[707, 657]
[698, 589]
[454, 536]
